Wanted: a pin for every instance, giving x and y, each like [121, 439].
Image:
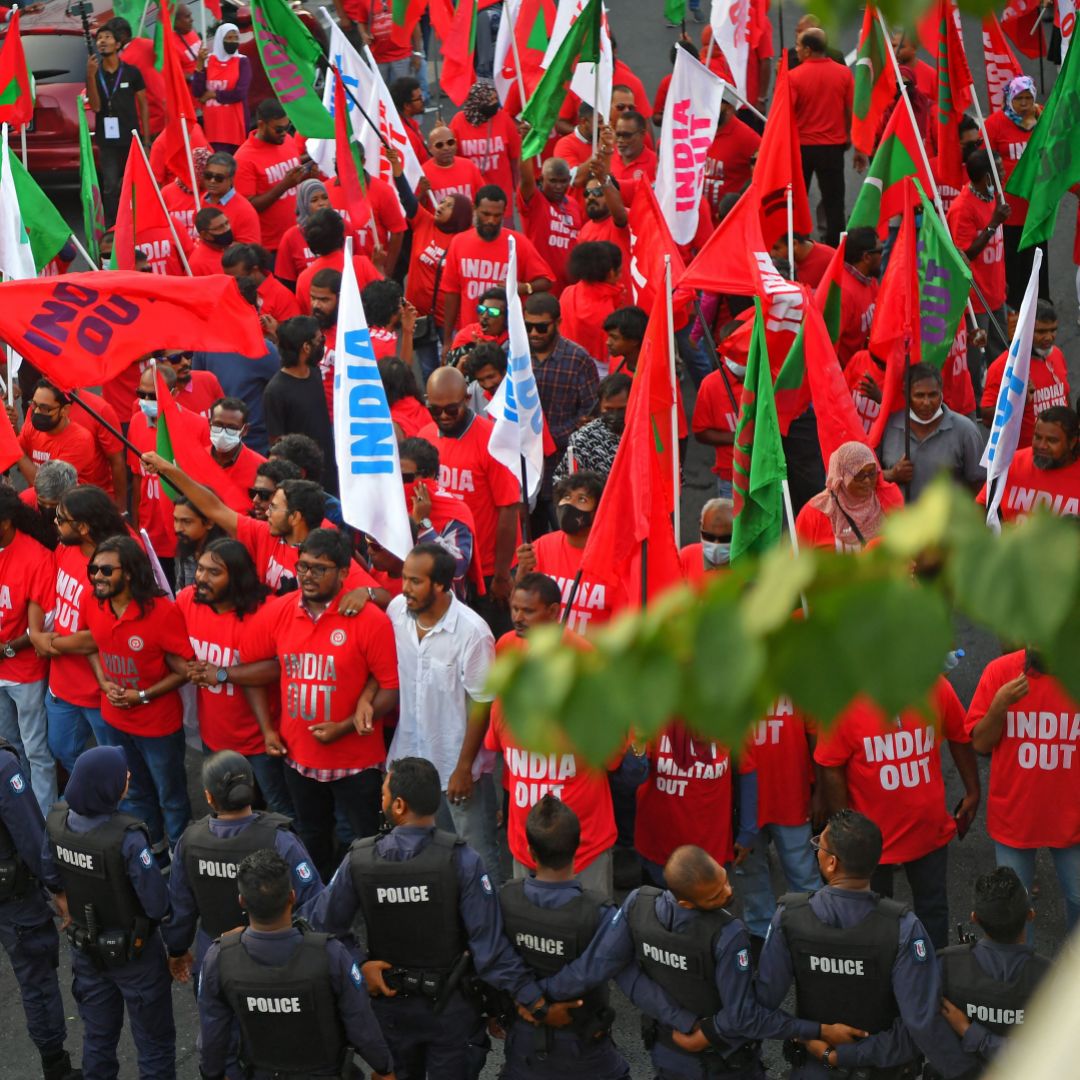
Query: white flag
[367, 85]
[503, 65]
[16, 256]
[515, 407]
[691, 114]
[369, 470]
[730, 22]
[1012, 400]
[585, 77]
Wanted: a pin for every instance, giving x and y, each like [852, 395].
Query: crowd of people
[413, 874]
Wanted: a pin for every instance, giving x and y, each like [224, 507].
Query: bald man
[490, 490]
[809, 22]
[447, 173]
[685, 962]
[550, 218]
[712, 552]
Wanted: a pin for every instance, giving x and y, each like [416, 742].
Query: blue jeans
[1066, 866]
[797, 860]
[429, 355]
[724, 488]
[24, 724]
[693, 356]
[396, 69]
[270, 776]
[70, 727]
[158, 792]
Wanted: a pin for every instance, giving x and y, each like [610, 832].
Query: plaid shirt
[568, 385]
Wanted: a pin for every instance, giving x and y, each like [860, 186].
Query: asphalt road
[644, 42]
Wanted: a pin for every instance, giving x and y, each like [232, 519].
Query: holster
[15, 878]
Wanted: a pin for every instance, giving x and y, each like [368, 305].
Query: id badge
[112, 127]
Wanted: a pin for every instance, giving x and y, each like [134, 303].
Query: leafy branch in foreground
[876, 626]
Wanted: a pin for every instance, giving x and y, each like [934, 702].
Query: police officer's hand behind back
[693, 1043]
[955, 1017]
[840, 1034]
[373, 978]
[180, 967]
[60, 903]
[559, 1013]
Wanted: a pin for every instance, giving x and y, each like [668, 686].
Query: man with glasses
[218, 177]
[269, 475]
[712, 552]
[228, 426]
[196, 390]
[633, 159]
[446, 172]
[606, 216]
[214, 234]
[408, 97]
[858, 291]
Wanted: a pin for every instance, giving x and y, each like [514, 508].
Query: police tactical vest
[548, 939]
[94, 871]
[210, 862]
[288, 1015]
[15, 875]
[682, 962]
[998, 1006]
[410, 906]
[843, 974]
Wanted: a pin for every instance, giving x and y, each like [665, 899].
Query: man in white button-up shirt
[444, 653]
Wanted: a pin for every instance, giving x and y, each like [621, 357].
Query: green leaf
[776, 591]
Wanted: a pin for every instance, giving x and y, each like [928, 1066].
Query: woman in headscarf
[489, 138]
[1008, 133]
[848, 514]
[221, 81]
[293, 254]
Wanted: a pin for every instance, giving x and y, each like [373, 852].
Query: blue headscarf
[97, 781]
[1019, 85]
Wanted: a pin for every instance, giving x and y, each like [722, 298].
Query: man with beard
[195, 390]
[550, 218]
[253, 261]
[324, 292]
[605, 214]
[1046, 473]
[592, 448]
[216, 609]
[488, 137]
[218, 176]
[444, 652]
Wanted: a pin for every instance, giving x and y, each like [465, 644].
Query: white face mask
[224, 439]
[717, 553]
[738, 370]
[149, 409]
[929, 420]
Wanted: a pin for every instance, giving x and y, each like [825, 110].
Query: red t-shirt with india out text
[226, 721]
[553, 228]
[784, 767]
[1048, 385]
[132, 649]
[1033, 769]
[491, 146]
[259, 166]
[1028, 487]
[70, 677]
[595, 601]
[26, 576]
[460, 177]
[893, 770]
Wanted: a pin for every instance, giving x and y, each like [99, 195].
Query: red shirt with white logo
[73, 444]
[26, 576]
[1048, 385]
[1010, 141]
[259, 166]
[132, 650]
[967, 218]
[956, 386]
[1028, 487]
[862, 363]
[595, 601]
[728, 163]
[1033, 769]
[325, 663]
[466, 468]
[553, 228]
[70, 677]
[491, 146]
[893, 770]
[181, 207]
[784, 768]
[226, 721]
[460, 177]
[383, 204]
[429, 247]
[714, 411]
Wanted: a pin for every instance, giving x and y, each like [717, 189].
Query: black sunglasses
[262, 494]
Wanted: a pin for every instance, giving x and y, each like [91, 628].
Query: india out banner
[1012, 400]
[691, 114]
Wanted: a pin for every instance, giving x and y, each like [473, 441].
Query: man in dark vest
[861, 957]
[987, 982]
[431, 914]
[298, 996]
[115, 898]
[202, 886]
[26, 923]
[551, 919]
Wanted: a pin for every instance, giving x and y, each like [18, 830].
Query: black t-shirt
[298, 406]
[117, 92]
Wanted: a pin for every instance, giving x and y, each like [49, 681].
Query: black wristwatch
[541, 1011]
[825, 1059]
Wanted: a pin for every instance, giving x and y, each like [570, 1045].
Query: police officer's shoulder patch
[17, 783]
[354, 974]
[742, 958]
[146, 858]
[485, 882]
[918, 947]
[303, 871]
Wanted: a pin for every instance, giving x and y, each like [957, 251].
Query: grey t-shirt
[954, 446]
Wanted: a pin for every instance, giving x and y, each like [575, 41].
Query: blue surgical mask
[149, 409]
[716, 553]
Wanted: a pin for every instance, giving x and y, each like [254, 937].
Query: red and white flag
[730, 22]
[999, 60]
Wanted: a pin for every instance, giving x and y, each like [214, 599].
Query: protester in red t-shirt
[716, 412]
[253, 261]
[136, 630]
[634, 160]
[858, 291]
[195, 390]
[712, 553]
[447, 173]
[550, 219]
[381, 233]
[488, 137]
[890, 770]
[865, 376]
[218, 176]
[730, 161]
[595, 291]
[374, 21]
[325, 235]
[214, 235]
[811, 259]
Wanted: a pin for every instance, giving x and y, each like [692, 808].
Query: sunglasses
[490, 312]
[538, 327]
[714, 538]
[100, 570]
[594, 192]
[215, 177]
[447, 142]
[262, 494]
[145, 395]
[408, 477]
[448, 410]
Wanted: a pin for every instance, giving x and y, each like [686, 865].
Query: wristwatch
[425, 523]
[9, 650]
[541, 1011]
[144, 698]
[825, 1060]
[222, 675]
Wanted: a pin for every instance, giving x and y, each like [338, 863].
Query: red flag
[459, 49]
[532, 30]
[179, 108]
[1022, 21]
[406, 14]
[10, 450]
[16, 97]
[894, 333]
[954, 94]
[442, 17]
[827, 296]
[639, 493]
[346, 159]
[999, 60]
[779, 166]
[875, 82]
[650, 241]
[735, 259]
[84, 329]
[139, 210]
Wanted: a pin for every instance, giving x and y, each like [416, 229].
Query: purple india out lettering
[283, 74]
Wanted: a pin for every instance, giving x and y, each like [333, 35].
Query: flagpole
[202, 21]
[22, 140]
[789, 513]
[191, 162]
[514, 13]
[161, 203]
[436, 49]
[574, 586]
[596, 106]
[714, 354]
[728, 88]
[986, 142]
[709, 48]
[525, 523]
[83, 252]
[329, 69]
[676, 491]
[11, 376]
[790, 233]
[142, 20]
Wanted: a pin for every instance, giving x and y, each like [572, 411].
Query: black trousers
[929, 896]
[827, 164]
[1018, 267]
[111, 161]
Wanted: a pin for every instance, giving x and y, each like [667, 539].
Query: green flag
[675, 11]
[581, 45]
[45, 226]
[944, 284]
[132, 10]
[90, 189]
[290, 56]
[1051, 163]
[758, 467]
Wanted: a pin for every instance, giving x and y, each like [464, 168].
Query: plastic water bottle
[952, 659]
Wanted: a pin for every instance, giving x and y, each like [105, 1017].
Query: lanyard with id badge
[110, 123]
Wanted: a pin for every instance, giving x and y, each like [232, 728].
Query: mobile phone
[961, 826]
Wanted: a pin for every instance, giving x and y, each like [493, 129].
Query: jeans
[797, 860]
[827, 163]
[724, 488]
[316, 801]
[428, 355]
[693, 356]
[474, 821]
[270, 776]
[929, 898]
[396, 69]
[23, 723]
[70, 727]
[1066, 866]
[158, 791]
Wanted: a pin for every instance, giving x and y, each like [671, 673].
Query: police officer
[202, 886]
[299, 996]
[115, 898]
[859, 956]
[27, 931]
[685, 962]
[551, 919]
[987, 983]
[425, 900]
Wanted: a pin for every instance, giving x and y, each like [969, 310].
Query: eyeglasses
[448, 410]
[262, 494]
[625, 134]
[490, 312]
[594, 192]
[313, 569]
[866, 476]
[146, 395]
[101, 570]
[713, 538]
[215, 177]
[447, 142]
[538, 327]
[816, 844]
[408, 477]
[37, 406]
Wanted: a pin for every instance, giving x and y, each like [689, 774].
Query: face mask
[224, 439]
[149, 409]
[614, 421]
[572, 520]
[230, 46]
[738, 370]
[222, 240]
[489, 109]
[716, 553]
[43, 421]
[929, 420]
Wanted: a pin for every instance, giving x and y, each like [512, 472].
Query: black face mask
[490, 109]
[1033, 661]
[573, 520]
[222, 240]
[230, 46]
[614, 421]
[43, 421]
[316, 355]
